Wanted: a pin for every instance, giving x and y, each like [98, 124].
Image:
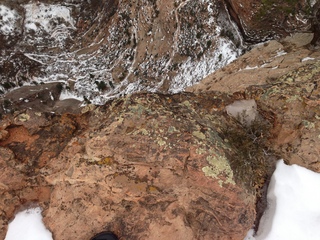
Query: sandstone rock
[263, 64]
[291, 96]
[145, 166]
[297, 111]
[113, 47]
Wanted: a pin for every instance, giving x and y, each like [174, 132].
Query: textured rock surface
[146, 166]
[286, 82]
[263, 64]
[268, 19]
[114, 47]
[152, 166]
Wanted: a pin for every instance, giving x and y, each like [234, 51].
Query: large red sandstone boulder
[145, 166]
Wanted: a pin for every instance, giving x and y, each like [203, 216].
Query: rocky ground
[154, 165]
[148, 165]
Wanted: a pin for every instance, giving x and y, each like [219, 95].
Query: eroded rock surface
[146, 166]
[284, 78]
[263, 64]
[103, 49]
[153, 166]
[269, 19]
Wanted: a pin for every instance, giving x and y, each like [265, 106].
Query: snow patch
[312, 2]
[192, 71]
[294, 210]
[47, 23]
[281, 53]
[307, 59]
[251, 68]
[66, 94]
[250, 235]
[28, 225]
[46, 16]
[8, 18]
[244, 110]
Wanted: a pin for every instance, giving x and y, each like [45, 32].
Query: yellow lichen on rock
[199, 135]
[219, 166]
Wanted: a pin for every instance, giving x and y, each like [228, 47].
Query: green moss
[172, 129]
[294, 98]
[278, 7]
[137, 109]
[24, 117]
[161, 142]
[201, 151]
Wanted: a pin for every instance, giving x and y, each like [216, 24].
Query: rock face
[151, 166]
[156, 166]
[261, 20]
[283, 77]
[145, 166]
[262, 65]
[110, 48]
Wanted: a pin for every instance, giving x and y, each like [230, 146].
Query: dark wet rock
[262, 20]
[40, 98]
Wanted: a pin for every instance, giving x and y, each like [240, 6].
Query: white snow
[281, 53]
[193, 71]
[293, 211]
[250, 68]
[312, 2]
[307, 59]
[66, 94]
[46, 16]
[8, 20]
[28, 225]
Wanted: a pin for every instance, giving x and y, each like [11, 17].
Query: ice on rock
[243, 110]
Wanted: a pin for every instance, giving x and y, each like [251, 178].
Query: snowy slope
[147, 47]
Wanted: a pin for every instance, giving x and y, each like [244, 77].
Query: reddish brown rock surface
[145, 166]
[284, 79]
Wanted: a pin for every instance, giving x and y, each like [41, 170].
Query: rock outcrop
[154, 166]
[151, 165]
[263, 64]
[103, 49]
[262, 20]
[145, 166]
[284, 77]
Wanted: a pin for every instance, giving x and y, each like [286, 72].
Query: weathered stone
[145, 166]
[264, 64]
[292, 97]
[261, 20]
